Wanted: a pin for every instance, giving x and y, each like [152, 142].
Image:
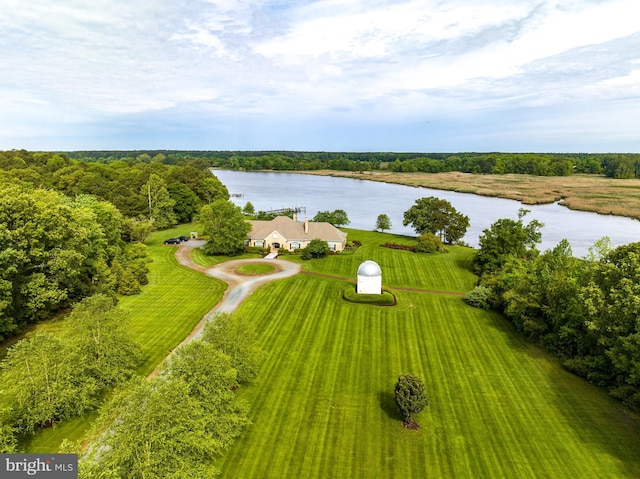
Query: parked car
[172, 241]
[183, 238]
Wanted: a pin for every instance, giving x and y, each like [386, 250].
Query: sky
[323, 75]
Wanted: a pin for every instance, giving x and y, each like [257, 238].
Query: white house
[284, 232]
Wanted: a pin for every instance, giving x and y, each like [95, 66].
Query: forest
[70, 228]
[612, 165]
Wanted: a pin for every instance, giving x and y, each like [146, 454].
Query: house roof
[294, 230]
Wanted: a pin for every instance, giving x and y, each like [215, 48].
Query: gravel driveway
[240, 285]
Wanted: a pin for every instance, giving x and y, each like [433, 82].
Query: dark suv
[172, 241]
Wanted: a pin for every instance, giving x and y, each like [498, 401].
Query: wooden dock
[284, 211]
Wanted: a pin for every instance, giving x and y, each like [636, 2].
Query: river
[364, 200]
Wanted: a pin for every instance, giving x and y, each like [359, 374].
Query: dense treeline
[67, 227]
[541, 164]
[142, 187]
[55, 250]
[175, 424]
[585, 311]
[48, 378]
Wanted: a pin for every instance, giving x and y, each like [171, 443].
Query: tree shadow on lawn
[565, 388]
[388, 405]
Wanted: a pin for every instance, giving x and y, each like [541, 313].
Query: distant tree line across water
[613, 165]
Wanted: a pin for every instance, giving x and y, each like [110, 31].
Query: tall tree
[50, 250]
[437, 216]
[101, 342]
[249, 209]
[224, 224]
[383, 222]
[235, 336]
[336, 217]
[156, 429]
[41, 384]
[507, 238]
[186, 202]
[211, 189]
[139, 229]
[211, 380]
[160, 202]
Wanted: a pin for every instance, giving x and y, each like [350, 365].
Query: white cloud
[363, 61]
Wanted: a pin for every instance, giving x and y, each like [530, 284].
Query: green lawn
[322, 406]
[255, 268]
[447, 272]
[166, 311]
[202, 259]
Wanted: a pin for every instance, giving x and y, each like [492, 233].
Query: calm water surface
[365, 200]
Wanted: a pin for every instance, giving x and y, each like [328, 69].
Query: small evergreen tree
[479, 297]
[128, 284]
[410, 396]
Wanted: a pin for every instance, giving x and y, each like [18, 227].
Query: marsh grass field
[598, 194]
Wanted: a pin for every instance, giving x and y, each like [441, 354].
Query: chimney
[306, 225]
[295, 217]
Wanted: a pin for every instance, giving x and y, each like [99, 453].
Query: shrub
[478, 297]
[410, 396]
[429, 243]
[317, 248]
[387, 298]
[399, 246]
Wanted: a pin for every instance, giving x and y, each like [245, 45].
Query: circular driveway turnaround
[240, 285]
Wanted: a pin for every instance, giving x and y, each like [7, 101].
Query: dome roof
[369, 269]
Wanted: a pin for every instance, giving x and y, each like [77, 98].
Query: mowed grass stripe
[479, 380]
[170, 306]
[323, 405]
[528, 449]
[400, 268]
[289, 397]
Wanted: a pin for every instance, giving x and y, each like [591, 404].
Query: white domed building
[369, 278]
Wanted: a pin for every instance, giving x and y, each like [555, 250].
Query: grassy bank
[579, 192]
